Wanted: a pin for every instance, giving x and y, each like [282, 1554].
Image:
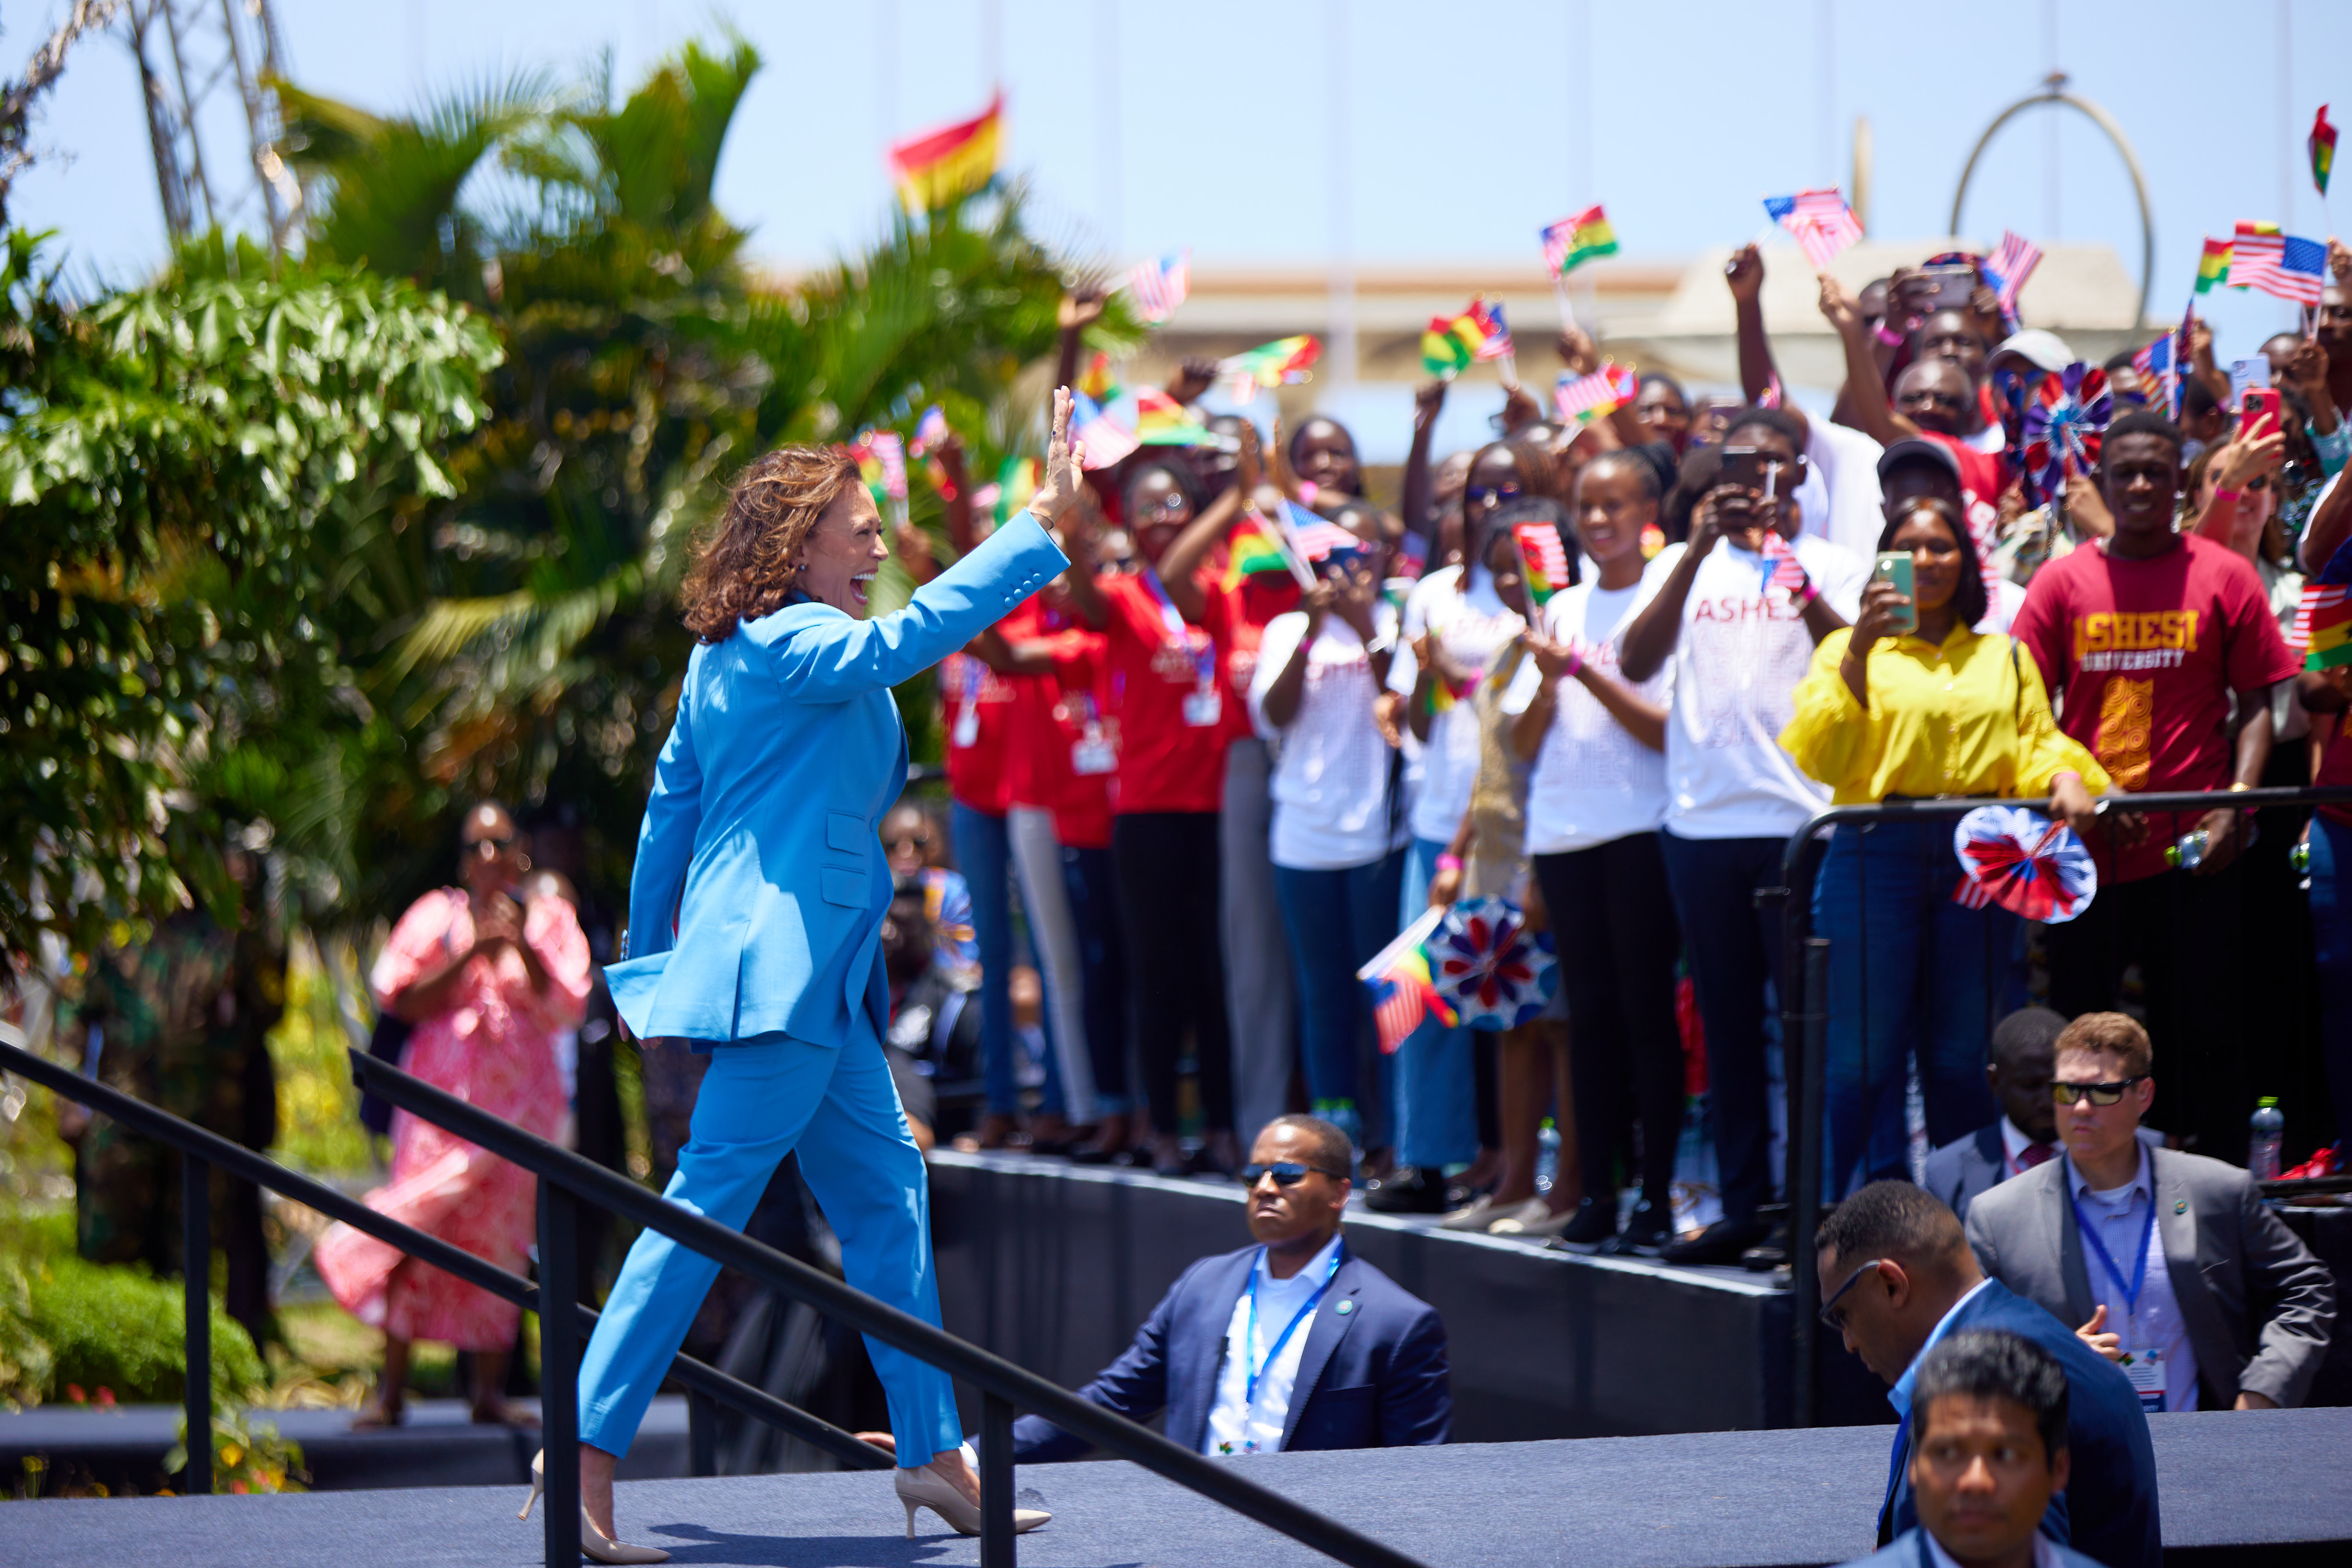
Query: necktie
[2034, 1153]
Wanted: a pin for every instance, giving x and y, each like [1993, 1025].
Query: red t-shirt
[1081, 801]
[1982, 474]
[977, 704]
[1164, 763]
[1251, 603]
[1031, 731]
[2142, 657]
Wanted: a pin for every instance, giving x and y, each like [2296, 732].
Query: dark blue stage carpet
[1743, 1497]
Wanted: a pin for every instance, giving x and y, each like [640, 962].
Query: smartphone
[1895, 566]
[2257, 413]
[1744, 467]
[1949, 288]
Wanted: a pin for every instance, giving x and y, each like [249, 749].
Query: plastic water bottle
[2300, 857]
[1547, 1155]
[2189, 853]
[2267, 1131]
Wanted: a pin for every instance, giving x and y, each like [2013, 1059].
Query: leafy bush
[119, 1329]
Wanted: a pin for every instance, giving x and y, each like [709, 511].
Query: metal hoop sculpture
[2099, 117]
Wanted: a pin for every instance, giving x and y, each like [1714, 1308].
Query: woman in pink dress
[487, 981]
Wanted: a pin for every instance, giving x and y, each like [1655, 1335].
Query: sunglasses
[2096, 1093]
[1830, 1315]
[1490, 495]
[1285, 1173]
[920, 840]
[1931, 400]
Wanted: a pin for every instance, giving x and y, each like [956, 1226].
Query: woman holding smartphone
[1911, 703]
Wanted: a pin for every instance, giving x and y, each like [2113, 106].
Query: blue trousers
[1436, 1080]
[1336, 922]
[1090, 878]
[1910, 973]
[2331, 926]
[984, 855]
[762, 1099]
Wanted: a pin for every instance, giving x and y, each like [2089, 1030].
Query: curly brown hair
[746, 566]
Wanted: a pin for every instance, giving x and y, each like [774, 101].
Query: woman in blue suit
[755, 917]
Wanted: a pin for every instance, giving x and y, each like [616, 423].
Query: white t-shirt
[1237, 1423]
[1840, 500]
[1740, 652]
[1331, 768]
[1472, 625]
[1593, 781]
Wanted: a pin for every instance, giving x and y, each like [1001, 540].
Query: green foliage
[120, 1329]
[247, 1459]
[540, 645]
[183, 470]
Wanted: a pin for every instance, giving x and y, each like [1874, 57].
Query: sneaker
[1408, 1189]
[1647, 1231]
[1594, 1227]
[1721, 1242]
[1476, 1214]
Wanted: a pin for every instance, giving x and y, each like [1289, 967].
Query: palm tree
[529, 630]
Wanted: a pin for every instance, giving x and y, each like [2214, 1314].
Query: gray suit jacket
[2259, 1307]
[1961, 1171]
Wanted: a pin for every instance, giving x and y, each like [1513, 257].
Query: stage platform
[2259, 1488]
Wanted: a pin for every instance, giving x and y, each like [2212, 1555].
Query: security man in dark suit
[2027, 1133]
[1896, 1277]
[1291, 1345]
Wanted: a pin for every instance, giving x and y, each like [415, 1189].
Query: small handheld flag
[1107, 433]
[891, 453]
[938, 167]
[1282, 363]
[2007, 268]
[1314, 539]
[1254, 550]
[2213, 266]
[1016, 482]
[930, 431]
[1158, 286]
[1398, 976]
[1453, 343]
[1579, 400]
[1573, 241]
[1781, 569]
[2284, 265]
[1820, 221]
[2322, 146]
[2323, 621]
[1543, 561]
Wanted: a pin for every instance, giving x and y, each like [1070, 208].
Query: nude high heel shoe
[594, 1543]
[926, 1488]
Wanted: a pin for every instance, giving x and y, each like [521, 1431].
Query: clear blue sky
[1458, 131]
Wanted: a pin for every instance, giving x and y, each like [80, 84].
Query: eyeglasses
[1830, 1315]
[1490, 495]
[905, 840]
[1285, 1173]
[2096, 1093]
[489, 847]
[1170, 506]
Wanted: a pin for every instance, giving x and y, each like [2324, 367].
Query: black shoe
[1593, 1229]
[1408, 1189]
[1769, 1254]
[1721, 1242]
[1646, 1234]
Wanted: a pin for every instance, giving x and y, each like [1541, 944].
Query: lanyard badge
[1204, 704]
[2143, 1366]
[1255, 1370]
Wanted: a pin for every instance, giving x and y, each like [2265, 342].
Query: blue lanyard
[2106, 1260]
[1203, 660]
[1249, 1392]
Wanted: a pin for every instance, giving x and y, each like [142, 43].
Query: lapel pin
[2180, 1206]
[1346, 1308]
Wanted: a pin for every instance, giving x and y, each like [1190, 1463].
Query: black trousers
[1167, 863]
[1614, 921]
[2183, 932]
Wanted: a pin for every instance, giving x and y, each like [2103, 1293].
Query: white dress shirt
[2014, 1143]
[2045, 1551]
[1237, 1424]
[2155, 1325]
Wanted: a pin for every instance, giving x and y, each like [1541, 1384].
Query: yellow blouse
[1963, 719]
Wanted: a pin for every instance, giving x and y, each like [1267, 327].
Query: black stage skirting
[2267, 1488]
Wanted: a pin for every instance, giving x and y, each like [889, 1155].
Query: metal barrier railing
[201, 1149]
[566, 1177]
[1804, 1015]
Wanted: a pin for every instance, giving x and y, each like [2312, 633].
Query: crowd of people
[1201, 796]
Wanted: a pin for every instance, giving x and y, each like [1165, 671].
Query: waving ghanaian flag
[940, 166]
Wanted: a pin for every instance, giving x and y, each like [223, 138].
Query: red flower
[74, 1393]
[105, 1397]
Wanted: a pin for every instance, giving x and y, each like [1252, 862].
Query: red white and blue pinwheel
[1485, 960]
[2024, 862]
[2063, 423]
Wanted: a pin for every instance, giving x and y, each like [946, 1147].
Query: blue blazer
[1909, 1550]
[1372, 1375]
[760, 838]
[2108, 1510]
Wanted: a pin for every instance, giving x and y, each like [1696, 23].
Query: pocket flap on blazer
[845, 831]
[840, 885]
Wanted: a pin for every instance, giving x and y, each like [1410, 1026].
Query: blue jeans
[2331, 921]
[1910, 973]
[985, 856]
[1090, 878]
[1335, 921]
[761, 1099]
[1436, 1081]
